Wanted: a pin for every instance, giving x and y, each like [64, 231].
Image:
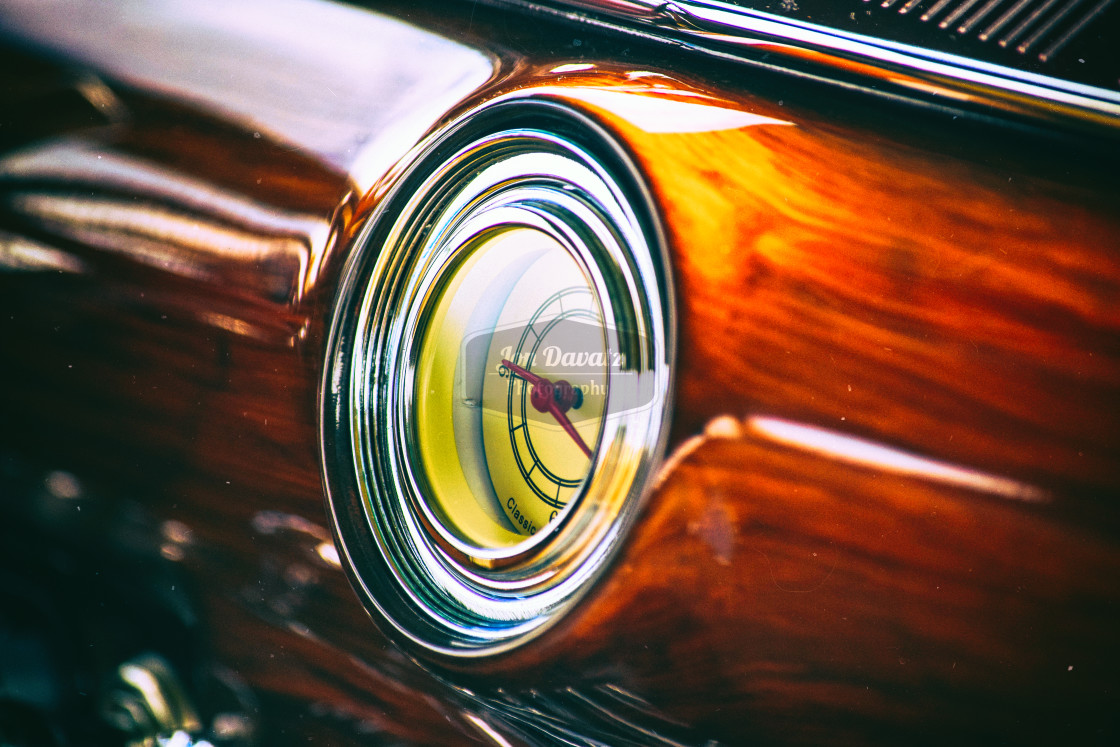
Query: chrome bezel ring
[524, 162]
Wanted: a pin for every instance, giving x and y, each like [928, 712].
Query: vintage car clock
[499, 374]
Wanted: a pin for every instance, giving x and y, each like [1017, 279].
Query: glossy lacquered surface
[887, 509]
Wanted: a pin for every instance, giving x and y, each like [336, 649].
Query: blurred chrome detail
[517, 159]
[150, 706]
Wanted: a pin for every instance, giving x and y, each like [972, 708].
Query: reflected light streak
[273, 522]
[80, 163]
[577, 67]
[234, 325]
[70, 162]
[860, 452]
[660, 111]
[177, 240]
[19, 254]
[328, 553]
[488, 730]
[326, 78]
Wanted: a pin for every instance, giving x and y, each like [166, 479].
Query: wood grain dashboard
[886, 512]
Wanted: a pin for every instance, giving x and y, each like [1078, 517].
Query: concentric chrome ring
[525, 163]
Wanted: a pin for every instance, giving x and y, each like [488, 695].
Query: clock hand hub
[554, 398]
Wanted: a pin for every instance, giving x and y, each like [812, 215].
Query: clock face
[494, 403]
[511, 388]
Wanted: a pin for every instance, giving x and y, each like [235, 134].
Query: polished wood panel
[811, 584]
[961, 311]
[776, 595]
[888, 511]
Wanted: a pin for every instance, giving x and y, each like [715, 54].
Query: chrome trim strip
[718, 27]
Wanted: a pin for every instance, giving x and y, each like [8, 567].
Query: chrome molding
[850, 59]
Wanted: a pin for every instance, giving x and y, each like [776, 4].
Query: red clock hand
[562, 419]
[524, 373]
[544, 399]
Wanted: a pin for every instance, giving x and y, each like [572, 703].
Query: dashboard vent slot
[1042, 27]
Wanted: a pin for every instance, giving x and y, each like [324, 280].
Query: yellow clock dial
[544, 407]
[511, 387]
